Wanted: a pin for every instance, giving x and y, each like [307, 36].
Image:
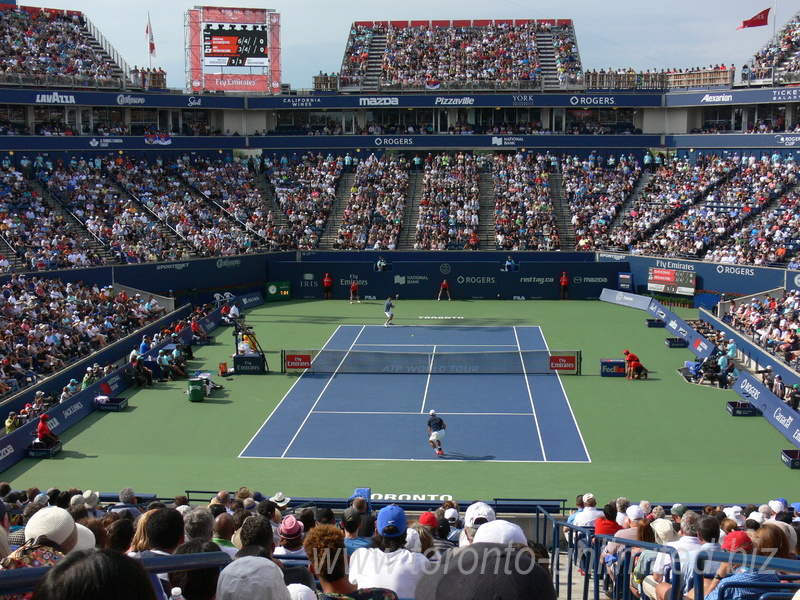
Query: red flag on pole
[759, 20]
[150, 39]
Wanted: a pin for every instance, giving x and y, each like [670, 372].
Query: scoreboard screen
[236, 46]
[669, 281]
[278, 290]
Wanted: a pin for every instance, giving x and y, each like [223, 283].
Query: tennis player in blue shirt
[436, 430]
[387, 309]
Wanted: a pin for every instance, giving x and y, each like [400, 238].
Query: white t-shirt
[398, 571]
[587, 516]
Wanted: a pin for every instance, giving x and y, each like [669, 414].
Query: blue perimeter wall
[417, 275]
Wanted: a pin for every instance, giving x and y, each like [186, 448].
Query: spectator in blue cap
[387, 563]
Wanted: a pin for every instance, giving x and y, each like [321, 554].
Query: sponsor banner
[470, 100]
[625, 299]
[733, 141]
[421, 280]
[741, 279]
[730, 97]
[98, 143]
[297, 361]
[567, 363]
[779, 414]
[567, 143]
[117, 98]
[229, 82]
[698, 344]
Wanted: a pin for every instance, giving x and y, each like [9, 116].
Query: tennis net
[530, 362]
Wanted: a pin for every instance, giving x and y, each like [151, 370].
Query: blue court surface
[513, 417]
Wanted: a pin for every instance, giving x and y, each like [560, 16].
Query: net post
[283, 361]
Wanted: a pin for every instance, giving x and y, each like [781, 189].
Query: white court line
[286, 395]
[530, 395]
[299, 429]
[314, 458]
[390, 412]
[564, 392]
[427, 382]
[445, 345]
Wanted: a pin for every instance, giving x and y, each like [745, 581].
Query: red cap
[737, 540]
[44, 417]
[428, 519]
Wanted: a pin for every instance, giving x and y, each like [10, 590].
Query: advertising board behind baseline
[468, 280]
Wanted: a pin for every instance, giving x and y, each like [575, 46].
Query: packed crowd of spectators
[48, 324]
[524, 218]
[305, 190]
[89, 189]
[776, 51]
[40, 237]
[568, 64]
[703, 230]
[768, 238]
[770, 530]
[771, 322]
[675, 186]
[170, 200]
[48, 43]
[450, 202]
[283, 552]
[596, 189]
[374, 214]
[430, 55]
[356, 55]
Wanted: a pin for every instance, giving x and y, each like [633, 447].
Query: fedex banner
[698, 344]
[779, 414]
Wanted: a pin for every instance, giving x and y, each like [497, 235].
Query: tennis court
[371, 396]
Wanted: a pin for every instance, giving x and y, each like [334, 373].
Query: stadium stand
[778, 60]
[675, 186]
[524, 217]
[40, 47]
[697, 231]
[450, 202]
[374, 215]
[596, 192]
[305, 189]
[98, 197]
[49, 325]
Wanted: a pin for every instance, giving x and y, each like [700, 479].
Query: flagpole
[149, 37]
[774, 17]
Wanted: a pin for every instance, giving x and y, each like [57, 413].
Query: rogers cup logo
[298, 361]
[562, 363]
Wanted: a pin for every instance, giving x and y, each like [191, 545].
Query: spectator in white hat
[477, 514]
[590, 512]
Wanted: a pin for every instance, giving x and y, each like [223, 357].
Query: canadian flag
[150, 39]
[759, 20]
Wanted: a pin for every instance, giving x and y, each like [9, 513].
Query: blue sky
[618, 33]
